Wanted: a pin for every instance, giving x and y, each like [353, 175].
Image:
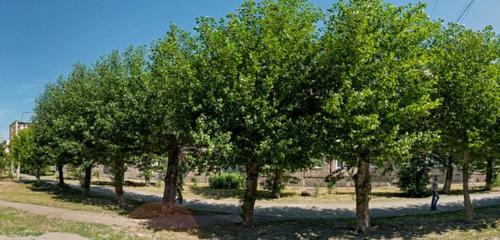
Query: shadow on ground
[75, 195]
[221, 221]
[406, 227]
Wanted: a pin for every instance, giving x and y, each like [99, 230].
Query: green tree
[468, 84]
[23, 149]
[3, 158]
[254, 65]
[120, 83]
[174, 105]
[374, 62]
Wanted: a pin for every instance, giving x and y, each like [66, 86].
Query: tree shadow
[222, 221]
[404, 227]
[72, 194]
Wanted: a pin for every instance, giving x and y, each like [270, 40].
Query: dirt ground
[47, 236]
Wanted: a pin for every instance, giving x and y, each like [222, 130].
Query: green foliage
[414, 176]
[466, 64]
[23, 149]
[276, 181]
[375, 61]
[331, 182]
[3, 157]
[226, 181]
[253, 66]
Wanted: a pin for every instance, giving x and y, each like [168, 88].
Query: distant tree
[3, 159]
[468, 84]
[23, 149]
[414, 176]
[374, 63]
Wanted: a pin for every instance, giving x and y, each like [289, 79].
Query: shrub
[331, 182]
[414, 176]
[276, 181]
[226, 181]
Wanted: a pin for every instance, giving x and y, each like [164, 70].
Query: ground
[49, 209]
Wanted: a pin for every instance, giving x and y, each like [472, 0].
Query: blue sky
[40, 40]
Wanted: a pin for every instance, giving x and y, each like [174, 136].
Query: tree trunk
[467, 203]
[489, 174]
[252, 172]
[147, 180]
[169, 192]
[277, 182]
[363, 189]
[61, 174]
[11, 173]
[86, 181]
[18, 171]
[118, 178]
[449, 176]
[37, 174]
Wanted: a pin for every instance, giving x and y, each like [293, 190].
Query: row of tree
[277, 86]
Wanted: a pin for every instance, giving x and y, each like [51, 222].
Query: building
[15, 127]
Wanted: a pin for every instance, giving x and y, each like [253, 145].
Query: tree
[50, 135]
[120, 83]
[414, 176]
[254, 67]
[3, 159]
[374, 63]
[468, 84]
[174, 105]
[23, 149]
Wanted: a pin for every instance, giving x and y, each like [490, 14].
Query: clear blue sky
[40, 40]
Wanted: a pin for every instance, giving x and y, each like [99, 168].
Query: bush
[414, 177]
[276, 181]
[226, 181]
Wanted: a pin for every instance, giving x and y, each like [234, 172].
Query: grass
[431, 226]
[53, 196]
[292, 194]
[18, 223]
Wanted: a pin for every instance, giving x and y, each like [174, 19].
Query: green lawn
[17, 223]
[53, 196]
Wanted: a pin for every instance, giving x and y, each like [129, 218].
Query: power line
[465, 11]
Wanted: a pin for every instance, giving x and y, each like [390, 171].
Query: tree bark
[86, 181]
[18, 171]
[489, 174]
[171, 176]
[61, 174]
[147, 180]
[252, 172]
[277, 181]
[449, 176]
[37, 174]
[468, 210]
[119, 174]
[363, 189]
